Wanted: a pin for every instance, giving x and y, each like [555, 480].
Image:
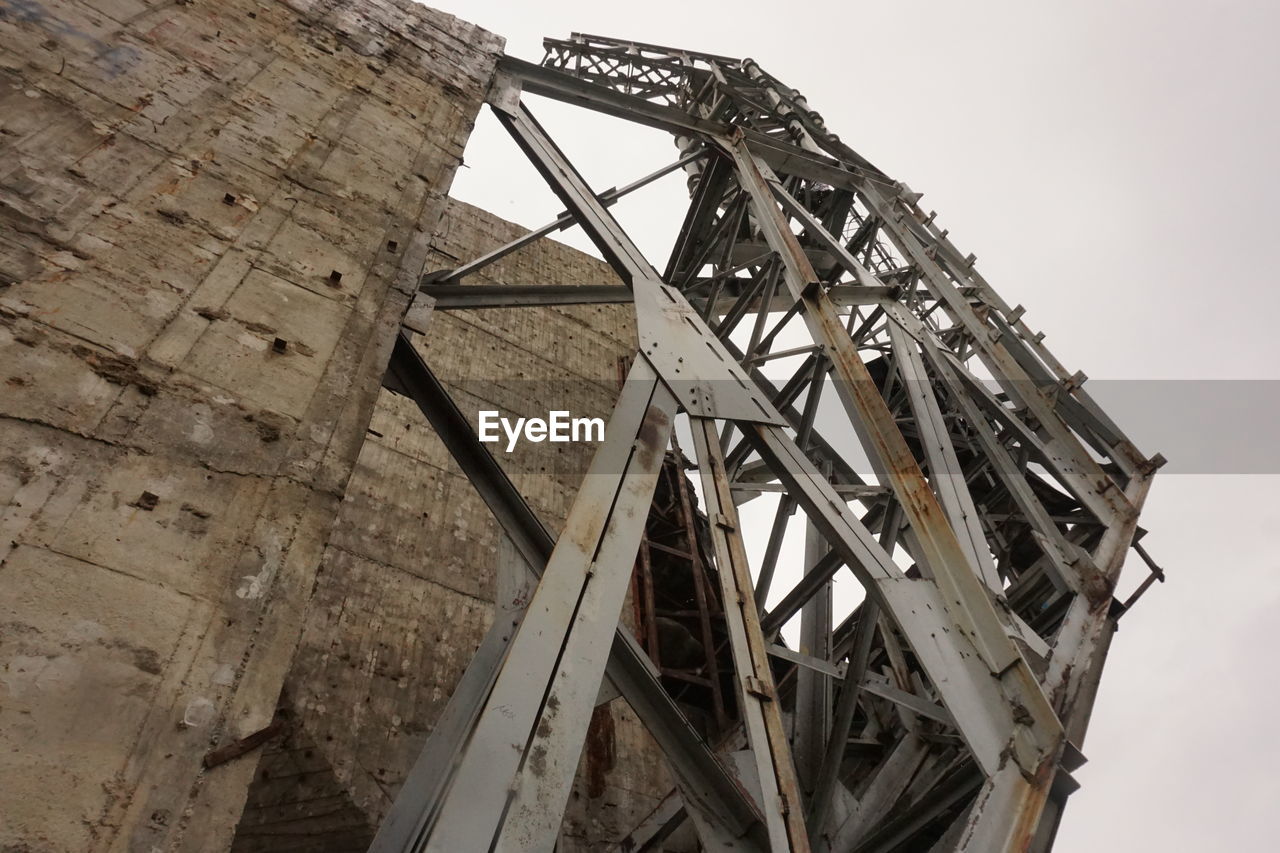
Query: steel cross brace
[514, 775]
[778, 154]
[952, 491]
[958, 579]
[1064, 453]
[561, 222]
[923, 242]
[1070, 570]
[715, 799]
[1009, 358]
[1076, 408]
[946, 478]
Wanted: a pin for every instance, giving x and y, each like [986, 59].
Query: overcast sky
[1112, 165]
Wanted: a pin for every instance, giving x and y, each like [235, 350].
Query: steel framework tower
[946, 712]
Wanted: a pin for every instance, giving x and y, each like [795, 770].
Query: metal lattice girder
[946, 710]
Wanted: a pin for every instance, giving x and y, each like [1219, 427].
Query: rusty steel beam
[967, 675]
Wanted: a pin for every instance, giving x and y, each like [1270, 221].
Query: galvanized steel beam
[790, 220]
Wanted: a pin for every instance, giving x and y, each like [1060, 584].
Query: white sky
[1112, 165]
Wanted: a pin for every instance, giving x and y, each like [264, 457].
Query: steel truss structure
[946, 712]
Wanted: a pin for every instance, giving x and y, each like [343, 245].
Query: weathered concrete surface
[212, 216]
[406, 586]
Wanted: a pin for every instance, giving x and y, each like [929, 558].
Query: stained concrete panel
[168, 208]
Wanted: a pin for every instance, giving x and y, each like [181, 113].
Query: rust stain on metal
[1030, 806]
[651, 439]
[245, 745]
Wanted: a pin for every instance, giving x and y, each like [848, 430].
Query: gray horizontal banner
[1199, 426]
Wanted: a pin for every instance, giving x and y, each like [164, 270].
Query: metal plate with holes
[692, 362]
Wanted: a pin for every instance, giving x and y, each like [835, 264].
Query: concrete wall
[406, 586]
[186, 188]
